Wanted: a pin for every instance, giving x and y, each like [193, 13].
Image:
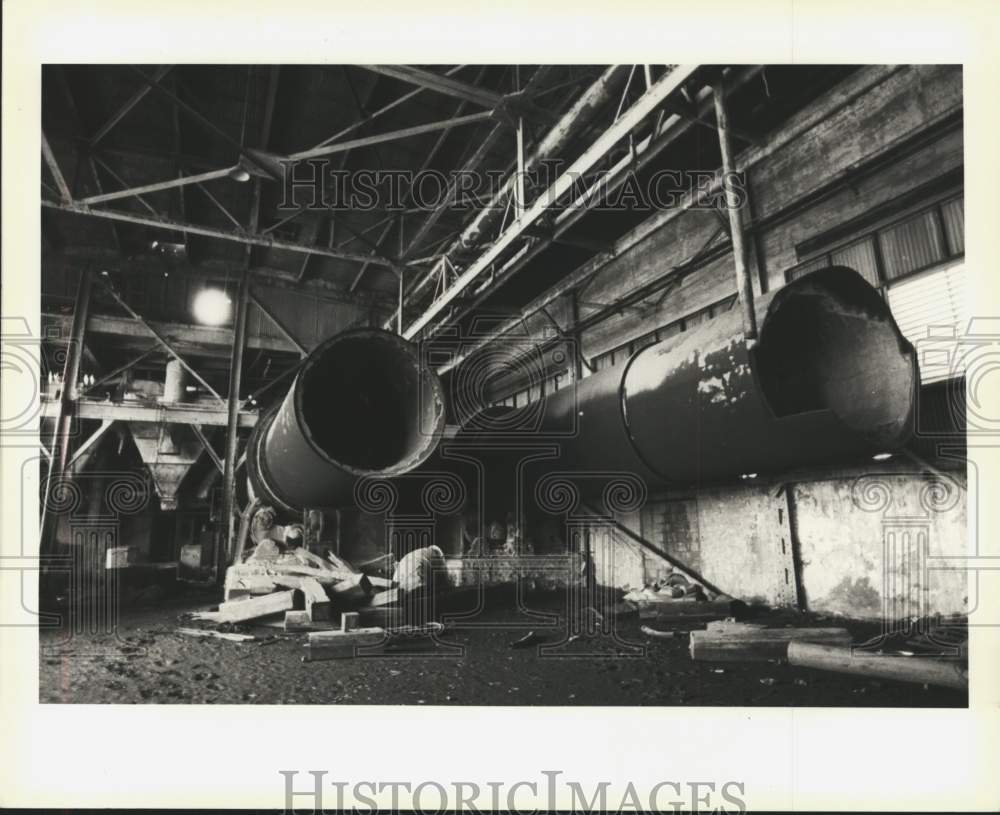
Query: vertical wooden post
[743, 284]
[70, 392]
[226, 542]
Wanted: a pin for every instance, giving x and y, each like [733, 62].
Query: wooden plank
[385, 598]
[317, 603]
[179, 333]
[279, 569]
[243, 583]
[734, 643]
[299, 621]
[920, 670]
[339, 562]
[341, 644]
[238, 611]
[381, 582]
[314, 561]
[202, 633]
[354, 590]
[686, 610]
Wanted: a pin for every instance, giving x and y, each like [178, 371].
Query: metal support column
[743, 284]
[577, 337]
[70, 392]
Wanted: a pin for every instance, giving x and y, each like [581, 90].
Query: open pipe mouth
[368, 405]
[829, 342]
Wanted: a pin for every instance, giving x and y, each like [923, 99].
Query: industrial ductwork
[363, 404]
[831, 378]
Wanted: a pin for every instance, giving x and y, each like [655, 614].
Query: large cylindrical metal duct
[831, 379]
[363, 404]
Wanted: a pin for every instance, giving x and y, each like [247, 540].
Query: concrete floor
[146, 661]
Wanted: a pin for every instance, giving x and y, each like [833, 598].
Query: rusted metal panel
[832, 378]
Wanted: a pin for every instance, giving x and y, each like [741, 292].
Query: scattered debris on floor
[656, 633]
[531, 638]
[677, 600]
[311, 594]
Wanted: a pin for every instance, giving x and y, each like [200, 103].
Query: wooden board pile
[306, 588]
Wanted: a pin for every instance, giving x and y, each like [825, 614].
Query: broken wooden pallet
[747, 642]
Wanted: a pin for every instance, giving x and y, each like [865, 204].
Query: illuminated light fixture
[881, 456]
[748, 475]
[212, 307]
[239, 174]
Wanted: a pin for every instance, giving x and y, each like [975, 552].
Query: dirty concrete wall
[867, 545]
[860, 542]
[617, 560]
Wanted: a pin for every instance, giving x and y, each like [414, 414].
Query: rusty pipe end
[363, 404]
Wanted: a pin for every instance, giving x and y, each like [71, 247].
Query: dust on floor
[146, 661]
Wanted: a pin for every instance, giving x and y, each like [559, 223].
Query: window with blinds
[917, 263]
[930, 310]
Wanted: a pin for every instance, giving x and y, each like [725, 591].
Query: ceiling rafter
[249, 238]
[449, 86]
[629, 119]
[124, 110]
